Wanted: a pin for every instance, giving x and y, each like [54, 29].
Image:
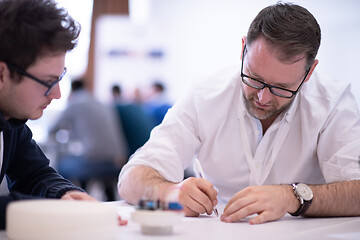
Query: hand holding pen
[200, 172]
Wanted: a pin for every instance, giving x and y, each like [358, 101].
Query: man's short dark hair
[33, 28]
[159, 86]
[77, 84]
[289, 28]
[116, 89]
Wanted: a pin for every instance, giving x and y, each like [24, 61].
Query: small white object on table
[60, 219]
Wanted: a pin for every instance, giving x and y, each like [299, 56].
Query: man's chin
[36, 115]
[260, 114]
[33, 118]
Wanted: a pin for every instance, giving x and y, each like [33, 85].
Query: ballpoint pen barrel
[201, 175]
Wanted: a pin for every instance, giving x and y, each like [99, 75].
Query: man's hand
[122, 222]
[197, 196]
[269, 202]
[77, 195]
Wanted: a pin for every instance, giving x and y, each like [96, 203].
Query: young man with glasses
[274, 138]
[35, 36]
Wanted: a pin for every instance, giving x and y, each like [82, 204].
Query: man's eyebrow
[50, 76]
[255, 76]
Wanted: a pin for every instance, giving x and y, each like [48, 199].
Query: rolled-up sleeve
[339, 141]
[173, 144]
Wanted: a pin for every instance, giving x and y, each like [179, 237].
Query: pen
[201, 174]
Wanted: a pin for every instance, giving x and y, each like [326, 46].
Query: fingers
[197, 196]
[261, 218]
[239, 209]
[266, 201]
[236, 202]
[122, 222]
[209, 190]
[77, 195]
[190, 213]
[197, 202]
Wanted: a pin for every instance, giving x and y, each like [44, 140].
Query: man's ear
[315, 63]
[3, 73]
[243, 41]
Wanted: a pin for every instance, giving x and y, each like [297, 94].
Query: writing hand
[197, 196]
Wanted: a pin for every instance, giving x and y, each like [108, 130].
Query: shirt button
[257, 132]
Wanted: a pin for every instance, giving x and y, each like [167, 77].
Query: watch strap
[302, 209]
[304, 204]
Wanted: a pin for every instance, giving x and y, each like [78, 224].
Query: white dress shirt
[316, 140]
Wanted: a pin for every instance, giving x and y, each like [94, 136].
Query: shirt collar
[11, 123]
[289, 113]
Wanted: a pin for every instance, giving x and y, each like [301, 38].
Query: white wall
[206, 35]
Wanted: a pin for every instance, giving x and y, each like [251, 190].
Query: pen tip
[216, 212]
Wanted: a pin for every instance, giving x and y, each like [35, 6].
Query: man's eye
[49, 82]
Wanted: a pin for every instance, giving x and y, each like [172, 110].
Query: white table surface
[210, 227]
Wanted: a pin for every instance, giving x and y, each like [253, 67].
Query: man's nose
[264, 95]
[55, 92]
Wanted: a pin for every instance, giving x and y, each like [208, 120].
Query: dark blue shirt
[26, 168]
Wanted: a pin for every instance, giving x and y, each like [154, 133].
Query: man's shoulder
[221, 86]
[322, 95]
[324, 89]
[219, 79]
[221, 89]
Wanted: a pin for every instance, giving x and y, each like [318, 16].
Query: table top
[210, 227]
[289, 227]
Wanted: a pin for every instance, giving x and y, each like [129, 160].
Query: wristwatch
[305, 195]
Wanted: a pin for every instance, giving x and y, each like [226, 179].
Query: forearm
[44, 183]
[143, 182]
[335, 199]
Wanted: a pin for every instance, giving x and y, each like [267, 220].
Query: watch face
[304, 191]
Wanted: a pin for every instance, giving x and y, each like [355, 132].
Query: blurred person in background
[154, 102]
[96, 148]
[116, 93]
[134, 123]
[35, 36]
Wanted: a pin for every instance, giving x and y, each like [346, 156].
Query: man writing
[35, 36]
[274, 138]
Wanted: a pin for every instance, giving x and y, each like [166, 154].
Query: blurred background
[176, 41]
[134, 43]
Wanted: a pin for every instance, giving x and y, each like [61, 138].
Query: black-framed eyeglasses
[257, 84]
[48, 85]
